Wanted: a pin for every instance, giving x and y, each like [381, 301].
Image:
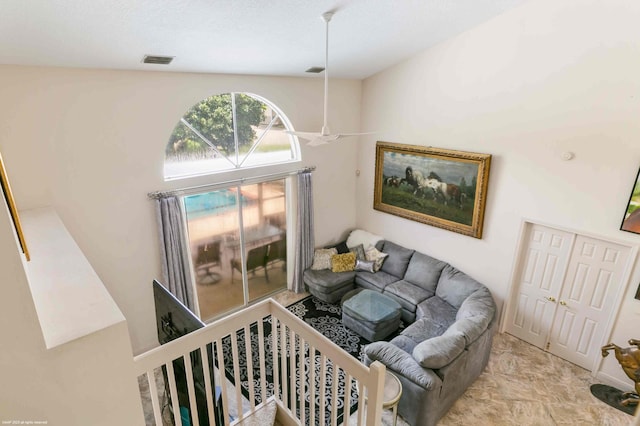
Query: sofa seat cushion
[374, 281]
[455, 286]
[397, 260]
[424, 329]
[326, 281]
[407, 294]
[405, 343]
[416, 333]
[437, 310]
[424, 271]
[439, 351]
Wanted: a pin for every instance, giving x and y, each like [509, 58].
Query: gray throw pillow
[359, 252]
[364, 265]
[439, 351]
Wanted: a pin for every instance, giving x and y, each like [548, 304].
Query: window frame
[240, 159]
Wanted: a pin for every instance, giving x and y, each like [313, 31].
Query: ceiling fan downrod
[326, 17]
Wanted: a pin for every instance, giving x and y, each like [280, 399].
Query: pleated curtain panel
[304, 232]
[175, 266]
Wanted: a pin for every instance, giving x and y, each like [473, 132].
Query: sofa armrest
[402, 363]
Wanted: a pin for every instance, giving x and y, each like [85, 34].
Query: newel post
[375, 393]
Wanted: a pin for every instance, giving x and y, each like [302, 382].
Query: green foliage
[213, 118]
[404, 198]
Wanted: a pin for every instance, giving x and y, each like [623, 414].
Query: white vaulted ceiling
[277, 37]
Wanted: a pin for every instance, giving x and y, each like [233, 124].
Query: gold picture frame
[6, 191]
[439, 187]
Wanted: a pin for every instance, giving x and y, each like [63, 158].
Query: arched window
[228, 132]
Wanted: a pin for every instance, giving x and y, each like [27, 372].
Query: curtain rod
[193, 189]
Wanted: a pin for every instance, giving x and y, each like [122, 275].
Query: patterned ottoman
[372, 315]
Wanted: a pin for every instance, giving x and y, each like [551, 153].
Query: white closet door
[545, 257]
[593, 279]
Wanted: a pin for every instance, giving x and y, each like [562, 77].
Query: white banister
[225, 398]
[207, 384]
[296, 348]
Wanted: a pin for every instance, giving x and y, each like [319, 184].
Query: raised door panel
[546, 254]
[593, 280]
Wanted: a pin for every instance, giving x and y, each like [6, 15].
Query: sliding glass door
[237, 238]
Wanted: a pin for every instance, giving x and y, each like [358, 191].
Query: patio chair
[256, 258]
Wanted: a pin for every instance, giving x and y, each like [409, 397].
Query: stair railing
[311, 378]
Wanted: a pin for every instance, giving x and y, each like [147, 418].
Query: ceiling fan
[325, 136]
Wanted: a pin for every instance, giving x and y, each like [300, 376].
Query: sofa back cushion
[424, 271]
[455, 286]
[397, 261]
[439, 351]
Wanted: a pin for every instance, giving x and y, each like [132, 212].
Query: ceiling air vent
[315, 70]
[158, 60]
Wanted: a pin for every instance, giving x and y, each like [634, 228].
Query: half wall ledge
[69, 297]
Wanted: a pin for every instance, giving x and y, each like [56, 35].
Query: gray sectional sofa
[450, 317]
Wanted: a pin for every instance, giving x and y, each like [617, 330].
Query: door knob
[563, 303]
[551, 299]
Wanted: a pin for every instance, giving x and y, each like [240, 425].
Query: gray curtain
[175, 265]
[304, 232]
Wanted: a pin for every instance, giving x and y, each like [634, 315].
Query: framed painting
[6, 192]
[439, 187]
[631, 219]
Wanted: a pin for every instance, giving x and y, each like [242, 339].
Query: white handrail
[290, 335]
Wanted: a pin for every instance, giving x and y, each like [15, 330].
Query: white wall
[91, 144]
[89, 380]
[548, 77]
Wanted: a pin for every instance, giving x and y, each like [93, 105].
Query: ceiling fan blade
[304, 135]
[318, 141]
[349, 135]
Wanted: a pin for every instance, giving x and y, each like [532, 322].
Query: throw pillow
[322, 258]
[372, 254]
[343, 262]
[341, 247]
[439, 351]
[365, 265]
[359, 236]
[359, 251]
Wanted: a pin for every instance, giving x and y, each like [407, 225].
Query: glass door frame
[289, 235]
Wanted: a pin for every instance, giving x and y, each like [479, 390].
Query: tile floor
[523, 385]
